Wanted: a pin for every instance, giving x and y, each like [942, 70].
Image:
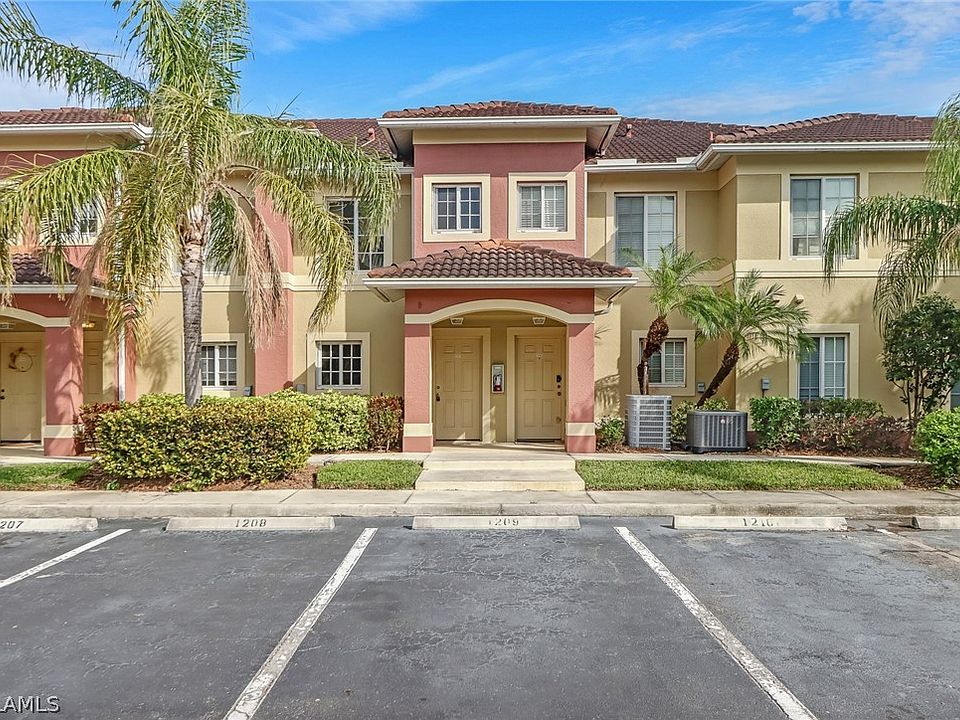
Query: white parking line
[768, 682]
[949, 555]
[259, 687]
[60, 558]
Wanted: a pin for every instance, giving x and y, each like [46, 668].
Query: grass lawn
[728, 475]
[368, 475]
[41, 476]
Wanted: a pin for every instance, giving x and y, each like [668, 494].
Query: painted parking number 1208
[251, 523]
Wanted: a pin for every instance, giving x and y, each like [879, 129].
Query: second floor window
[218, 365]
[456, 208]
[813, 201]
[543, 207]
[368, 252]
[645, 223]
[669, 365]
[823, 370]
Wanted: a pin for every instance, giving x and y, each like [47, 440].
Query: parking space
[475, 624]
[857, 624]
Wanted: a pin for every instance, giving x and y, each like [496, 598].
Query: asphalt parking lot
[480, 624]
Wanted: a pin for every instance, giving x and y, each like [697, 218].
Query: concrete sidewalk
[407, 503]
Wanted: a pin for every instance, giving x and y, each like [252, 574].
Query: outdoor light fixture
[89, 325]
[456, 321]
[539, 320]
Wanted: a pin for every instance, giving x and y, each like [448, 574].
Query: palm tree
[191, 190]
[749, 318]
[673, 290]
[923, 232]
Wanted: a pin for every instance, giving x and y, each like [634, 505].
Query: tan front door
[92, 372]
[539, 388]
[21, 380]
[456, 380]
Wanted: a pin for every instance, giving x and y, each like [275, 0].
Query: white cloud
[818, 11]
[908, 33]
[305, 22]
[17, 95]
[453, 76]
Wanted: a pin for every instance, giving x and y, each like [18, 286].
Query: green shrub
[843, 407]
[255, 439]
[678, 419]
[385, 421]
[85, 439]
[776, 420]
[341, 421]
[610, 433]
[938, 441]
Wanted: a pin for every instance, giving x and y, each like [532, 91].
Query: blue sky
[726, 61]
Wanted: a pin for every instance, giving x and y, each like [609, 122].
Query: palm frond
[29, 55]
[673, 278]
[942, 179]
[319, 233]
[313, 161]
[892, 219]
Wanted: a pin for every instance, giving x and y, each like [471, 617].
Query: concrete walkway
[407, 503]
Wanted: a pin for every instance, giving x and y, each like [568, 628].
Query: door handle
[559, 379]
[438, 397]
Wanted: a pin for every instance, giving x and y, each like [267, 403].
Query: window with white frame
[543, 207]
[339, 364]
[955, 397]
[367, 252]
[218, 366]
[644, 224]
[823, 370]
[813, 202]
[456, 208]
[86, 225]
[668, 366]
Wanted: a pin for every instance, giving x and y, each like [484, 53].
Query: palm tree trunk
[658, 332]
[191, 284]
[730, 358]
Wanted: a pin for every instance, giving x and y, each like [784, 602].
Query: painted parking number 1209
[758, 522]
[504, 522]
[251, 523]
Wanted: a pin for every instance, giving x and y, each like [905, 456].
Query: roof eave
[496, 283]
[715, 154]
[134, 130]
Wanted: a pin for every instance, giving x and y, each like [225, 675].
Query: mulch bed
[96, 479]
[917, 477]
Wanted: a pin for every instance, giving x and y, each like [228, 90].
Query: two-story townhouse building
[505, 301]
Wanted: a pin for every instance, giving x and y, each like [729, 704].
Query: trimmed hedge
[611, 432]
[255, 439]
[340, 420]
[938, 442]
[385, 421]
[776, 420]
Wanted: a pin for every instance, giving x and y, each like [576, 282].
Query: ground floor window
[823, 370]
[955, 397]
[339, 364]
[668, 366]
[218, 365]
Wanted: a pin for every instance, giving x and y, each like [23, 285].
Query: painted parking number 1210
[758, 522]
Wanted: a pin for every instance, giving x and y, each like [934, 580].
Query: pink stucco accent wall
[416, 384]
[580, 387]
[497, 160]
[273, 358]
[63, 375]
[577, 301]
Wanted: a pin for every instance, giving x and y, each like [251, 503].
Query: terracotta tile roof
[362, 130]
[502, 260]
[848, 127]
[655, 141]
[28, 270]
[499, 108]
[61, 116]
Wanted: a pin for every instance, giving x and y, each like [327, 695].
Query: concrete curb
[160, 509]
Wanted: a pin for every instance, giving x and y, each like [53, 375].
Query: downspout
[604, 311]
[121, 366]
